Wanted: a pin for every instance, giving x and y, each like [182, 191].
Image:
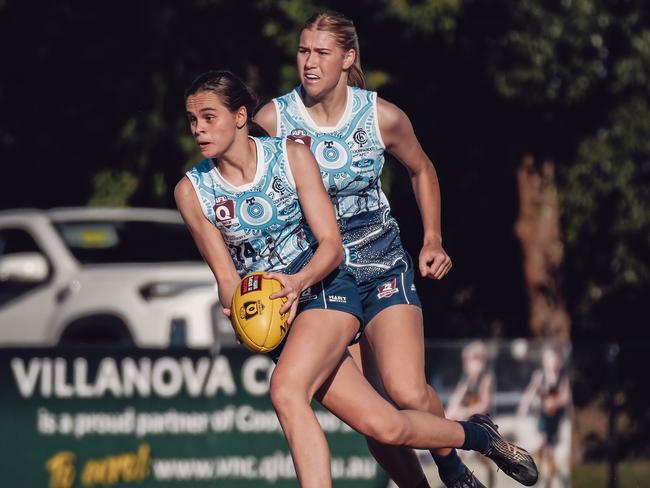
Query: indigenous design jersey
[372, 246]
[261, 221]
[350, 154]
[351, 158]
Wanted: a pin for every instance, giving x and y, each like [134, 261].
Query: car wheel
[96, 330]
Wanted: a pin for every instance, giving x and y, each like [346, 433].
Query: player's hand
[292, 286]
[434, 261]
[226, 312]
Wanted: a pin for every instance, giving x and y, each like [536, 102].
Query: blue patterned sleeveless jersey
[261, 221]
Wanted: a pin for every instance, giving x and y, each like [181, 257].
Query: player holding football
[248, 189]
[348, 129]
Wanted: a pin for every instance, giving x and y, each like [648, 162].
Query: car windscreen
[128, 241]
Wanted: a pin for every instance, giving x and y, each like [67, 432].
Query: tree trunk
[538, 229]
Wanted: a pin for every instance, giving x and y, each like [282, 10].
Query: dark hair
[346, 37]
[232, 92]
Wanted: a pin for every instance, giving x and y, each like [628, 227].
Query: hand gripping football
[255, 317]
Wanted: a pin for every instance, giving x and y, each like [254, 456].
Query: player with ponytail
[348, 128]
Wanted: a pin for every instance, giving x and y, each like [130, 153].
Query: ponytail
[356, 77]
[255, 129]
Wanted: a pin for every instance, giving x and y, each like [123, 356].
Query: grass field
[629, 475]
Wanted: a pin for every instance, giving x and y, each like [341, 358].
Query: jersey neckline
[321, 128]
[258, 170]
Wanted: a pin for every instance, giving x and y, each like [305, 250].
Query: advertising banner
[153, 418]
[186, 418]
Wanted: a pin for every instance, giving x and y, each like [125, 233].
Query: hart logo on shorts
[306, 296]
[387, 289]
[337, 299]
[251, 309]
[300, 136]
[252, 283]
[224, 211]
[413, 287]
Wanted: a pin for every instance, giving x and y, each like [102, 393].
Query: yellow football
[255, 317]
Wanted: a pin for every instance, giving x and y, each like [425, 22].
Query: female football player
[348, 129]
[250, 191]
[549, 387]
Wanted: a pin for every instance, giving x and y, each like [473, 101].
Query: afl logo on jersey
[224, 211]
[360, 137]
[300, 136]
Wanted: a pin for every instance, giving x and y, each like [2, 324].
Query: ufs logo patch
[251, 283]
[224, 211]
[387, 289]
[250, 309]
[360, 137]
[300, 136]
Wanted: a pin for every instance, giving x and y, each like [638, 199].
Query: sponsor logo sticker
[251, 283]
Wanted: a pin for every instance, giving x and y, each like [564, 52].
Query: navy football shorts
[337, 291]
[381, 267]
[395, 287]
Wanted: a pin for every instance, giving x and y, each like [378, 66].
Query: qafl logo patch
[224, 212]
[387, 289]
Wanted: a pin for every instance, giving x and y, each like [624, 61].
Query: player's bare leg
[400, 463]
[313, 349]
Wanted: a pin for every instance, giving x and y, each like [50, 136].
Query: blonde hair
[343, 30]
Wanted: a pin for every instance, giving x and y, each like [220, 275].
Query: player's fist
[434, 262]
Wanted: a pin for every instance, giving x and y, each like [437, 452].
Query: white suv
[123, 276]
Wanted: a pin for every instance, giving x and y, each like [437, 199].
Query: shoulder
[297, 150]
[183, 190]
[193, 177]
[391, 117]
[267, 117]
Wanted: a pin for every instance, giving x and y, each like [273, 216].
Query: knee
[411, 397]
[284, 395]
[391, 430]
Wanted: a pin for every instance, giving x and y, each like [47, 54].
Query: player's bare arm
[267, 118]
[319, 213]
[208, 240]
[400, 140]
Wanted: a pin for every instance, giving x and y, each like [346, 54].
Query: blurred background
[536, 114]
